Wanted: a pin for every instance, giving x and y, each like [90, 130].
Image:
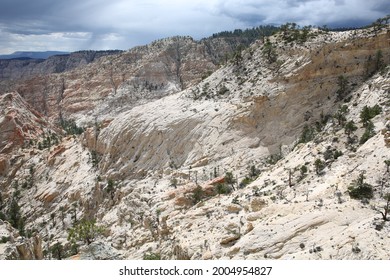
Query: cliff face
[119, 80]
[169, 156]
[22, 69]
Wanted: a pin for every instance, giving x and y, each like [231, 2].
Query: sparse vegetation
[291, 32]
[368, 113]
[387, 162]
[4, 239]
[229, 179]
[197, 195]
[303, 170]
[222, 189]
[71, 127]
[269, 52]
[319, 166]
[349, 128]
[14, 215]
[307, 135]
[360, 189]
[386, 208]
[273, 159]
[342, 84]
[368, 133]
[340, 115]
[151, 256]
[57, 251]
[85, 231]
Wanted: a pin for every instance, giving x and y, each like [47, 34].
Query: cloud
[121, 24]
[305, 12]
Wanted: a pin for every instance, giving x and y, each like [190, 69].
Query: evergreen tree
[85, 231]
[319, 166]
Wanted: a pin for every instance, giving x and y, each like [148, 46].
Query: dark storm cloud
[99, 24]
[314, 12]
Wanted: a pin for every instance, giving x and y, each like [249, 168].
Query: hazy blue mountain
[35, 55]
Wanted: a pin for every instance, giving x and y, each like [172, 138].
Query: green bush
[4, 239]
[197, 195]
[152, 256]
[319, 166]
[360, 190]
[246, 181]
[350, 127]
[368, 133]
[308, 134]
[303, 171]
[222, 189]
[368, 113]
[85, 231]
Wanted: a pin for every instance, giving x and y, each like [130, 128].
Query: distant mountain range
[33, 55]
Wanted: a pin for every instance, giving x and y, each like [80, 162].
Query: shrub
[342, 91]
[85, 231]
[368, 113]
[319, 166]
[197, 195]
[273, 159]
[307, 134]
[57, 251]
[368, 133]
[360, 190]
[229, 178]
[246, 181]
[303, 170]
[71, 127]
[152, 256]
[4, 239]
[222, 189]
[386, 208]
[350, 127]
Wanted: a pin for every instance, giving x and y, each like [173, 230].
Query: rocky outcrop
[19, 123]
[15, 247]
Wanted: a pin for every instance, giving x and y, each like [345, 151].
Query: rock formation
[256, 155]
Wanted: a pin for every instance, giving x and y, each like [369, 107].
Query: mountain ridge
[32, 54]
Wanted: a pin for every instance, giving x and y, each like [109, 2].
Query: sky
[71, 25]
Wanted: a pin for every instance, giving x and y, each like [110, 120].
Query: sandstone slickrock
[150, 166]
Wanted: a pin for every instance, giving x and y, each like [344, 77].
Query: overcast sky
[70, 25]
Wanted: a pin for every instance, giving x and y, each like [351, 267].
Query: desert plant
[246, 181]
[387, 162]
[368, 113]
[269, 52]
[342, 84]
[197, 195]
[350, 127]
[359, 189]
[307, 134]
[173, 182]
[152, 256]
[319, 166]
[303, 171]
[222, 189]
[57, 251]
[368, 133]
[340, 115]
[386, 208]
[110, 186]
[85, 231]
[229, 179]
